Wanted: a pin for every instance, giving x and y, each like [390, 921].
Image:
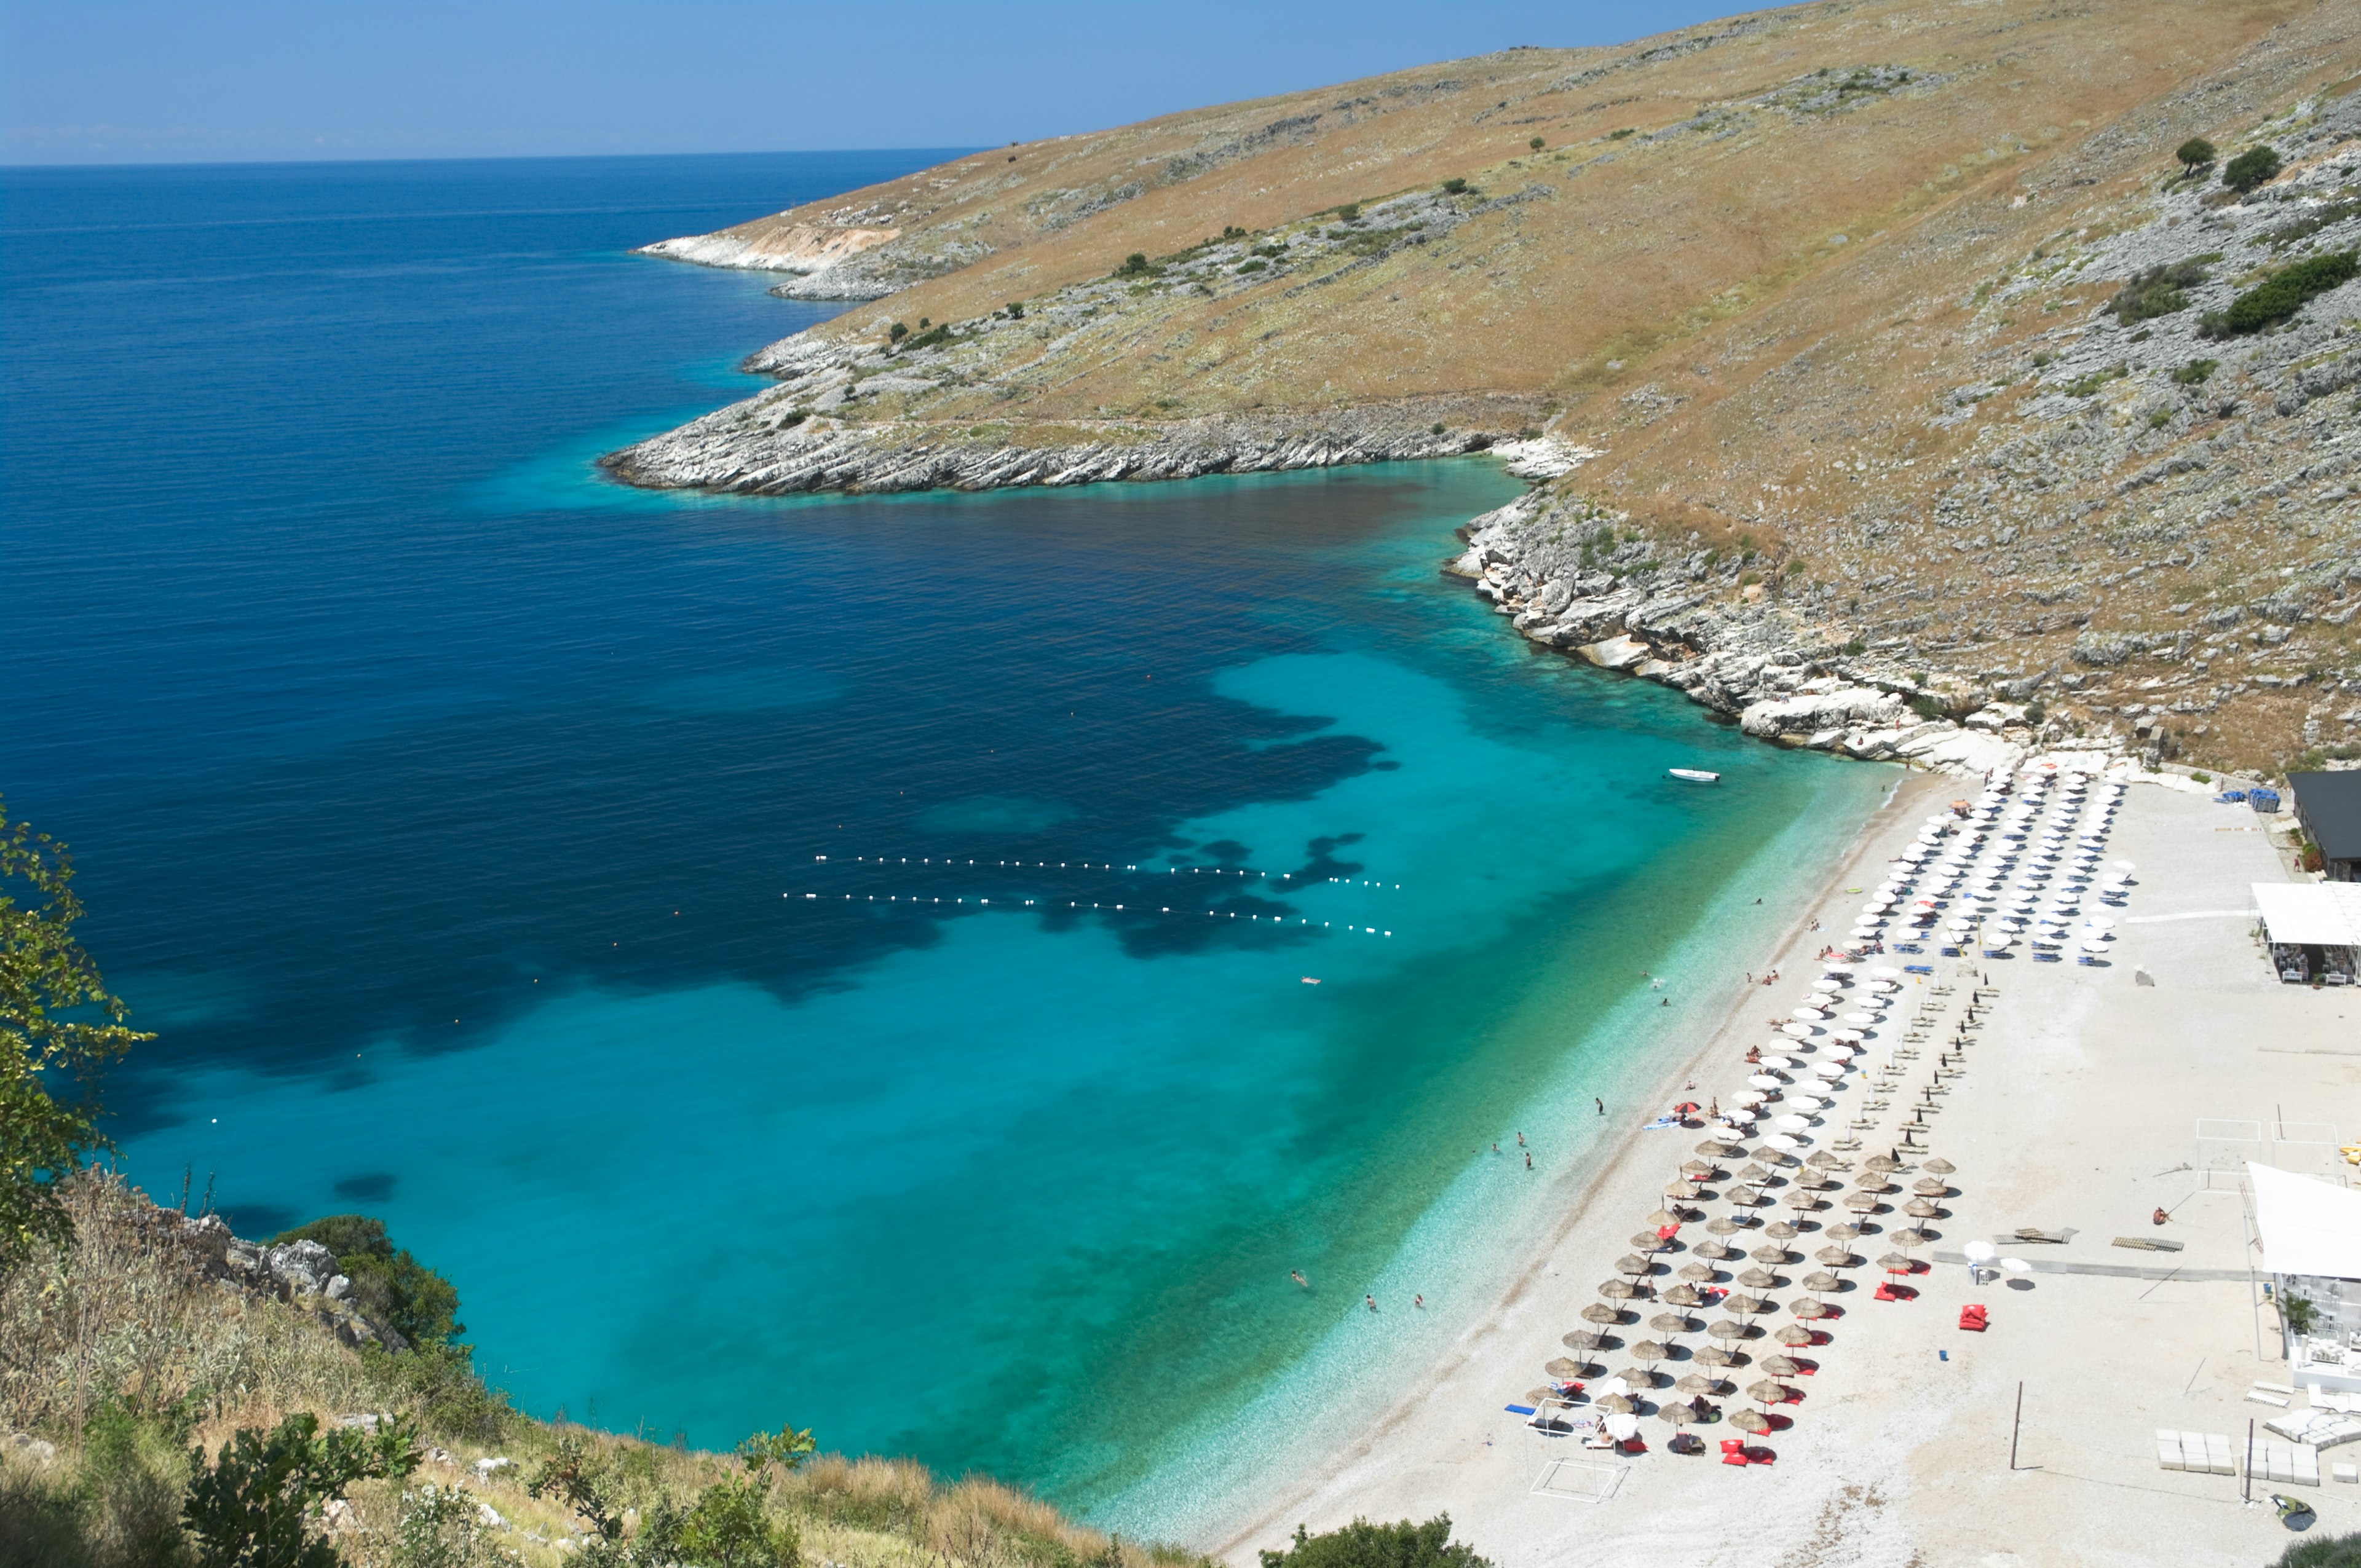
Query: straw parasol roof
[1582, 1338]
[1616, 1290]
[1778, 1367]
[1930, 1187]
[1723, 1226]
[1664, 1217]
[1713, 1148]
[1714, 1250]
[1680, 1295]
[1698, 1383]
[1920, 1209]
[1873, 1181]
[1713, 1355]
[1816, 1181]
[1700, 1272]
[1676, 1413]
[1915, 1235]
[1792, 1333]
[1767, 1392]
[1672, 1323]
[1744, 1305]
[1770, 1253]
[1808, 1308]
[1748, 1421]
[1696, 1168]
[1565, 1367]
[1536, 1396]
[1836, 1256]
[1725, 1329]
[1649, 1241]
[1600, 1312]
[1753, 1173]
[1803, 1200]
[1822, 1282]
[1649, 1350]
[1842, 1233]
[1825, 1160]
[1779, 1230]
[1757, 1279]
[1881, 1162]
[1633, 1263]
[1942, 1168]
[1632, 1377]
[1863, 1202]
[1615, 1404]
[1895, 1263]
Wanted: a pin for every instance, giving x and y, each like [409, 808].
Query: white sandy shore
[2077, 1110]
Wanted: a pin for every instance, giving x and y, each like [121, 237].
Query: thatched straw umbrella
[1700, 1273]
[1768, 1392]
[1873, 1182]
[1792, 1333]
[1748, 1421]
[1820, 1284]
[1777, 1367]
[1582, 1340]
[1824, 1160]
[1745, 1306]
[1680, 1295]
[1617, 1290]
[1649, 1241]
[1920, 1209]
[1633, 1265]
[1715, 1356]
[1723, 1329]
[1881, 1162]
[1698, 1169]
[1697, 1384]
[1941, 1167]
[1649, 1351]
[1842, 1233]
[1714, 1251]
[1836, 1257]
[1671, 1323]
[1864, 1203]
[1565, 1367]
[1667, 1217]
[1600, 1312]
[1723, 1225]
[1811, 1309]
[1758, 1279]
[1781, 1231]
[1615, 1405]
[1931, 1187]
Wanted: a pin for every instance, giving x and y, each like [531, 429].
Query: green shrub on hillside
[1137, 265]
[2255, 166]
[2156, 292]
[2193, 374]
[1454, 186]
[2283, 293]
[2194, 154]
[389, 1287]
[1365, 1545]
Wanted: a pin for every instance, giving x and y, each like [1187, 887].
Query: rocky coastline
[1569, 579]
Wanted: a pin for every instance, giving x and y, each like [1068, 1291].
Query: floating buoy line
[1346, 928]
[1245, 873]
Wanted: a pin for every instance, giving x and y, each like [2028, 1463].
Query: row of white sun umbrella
[1953, 867]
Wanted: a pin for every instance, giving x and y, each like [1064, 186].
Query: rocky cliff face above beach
[1899, 323]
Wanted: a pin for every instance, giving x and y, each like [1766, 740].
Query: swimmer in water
[1297, 1274]
[1372, 1301]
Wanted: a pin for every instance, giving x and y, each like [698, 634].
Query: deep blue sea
[843, 962]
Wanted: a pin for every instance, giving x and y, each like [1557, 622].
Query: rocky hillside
[1880, 328]
[151, 1331]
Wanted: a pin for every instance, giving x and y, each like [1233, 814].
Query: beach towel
[1519, 1410]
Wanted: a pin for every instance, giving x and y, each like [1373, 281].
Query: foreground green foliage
[2323, 1552]
[253, 1505]
[1365, 1545]
[2194, 154]
[45, 975]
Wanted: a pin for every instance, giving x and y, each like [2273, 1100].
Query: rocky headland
[1930, 401]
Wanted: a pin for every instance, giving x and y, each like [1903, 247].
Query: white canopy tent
[2311, 926]
[2309, 1226]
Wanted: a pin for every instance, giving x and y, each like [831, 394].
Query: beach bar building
[2328, 810]
[2312, 928]
[2311, 1244]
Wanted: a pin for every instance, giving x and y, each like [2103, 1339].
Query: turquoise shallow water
[457, 812]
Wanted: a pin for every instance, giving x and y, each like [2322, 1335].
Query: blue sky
[126, 82]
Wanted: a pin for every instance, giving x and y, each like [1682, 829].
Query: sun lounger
[2262, 1397]
[2140, 1244]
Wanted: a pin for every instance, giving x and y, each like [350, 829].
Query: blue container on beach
[2263, 799]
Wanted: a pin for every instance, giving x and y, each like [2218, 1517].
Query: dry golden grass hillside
[1797, 278]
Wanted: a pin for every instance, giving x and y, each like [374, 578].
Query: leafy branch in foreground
[44, 976]
[250, 1507]
[1365, 1545]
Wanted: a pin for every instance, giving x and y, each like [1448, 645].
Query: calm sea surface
[831, 961]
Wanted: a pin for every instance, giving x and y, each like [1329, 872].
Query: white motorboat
[1694, 775]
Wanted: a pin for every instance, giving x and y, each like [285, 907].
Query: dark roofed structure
[2328, 806]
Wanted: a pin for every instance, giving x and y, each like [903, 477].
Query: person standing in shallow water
[1600, 1103]
[1372, 1301]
